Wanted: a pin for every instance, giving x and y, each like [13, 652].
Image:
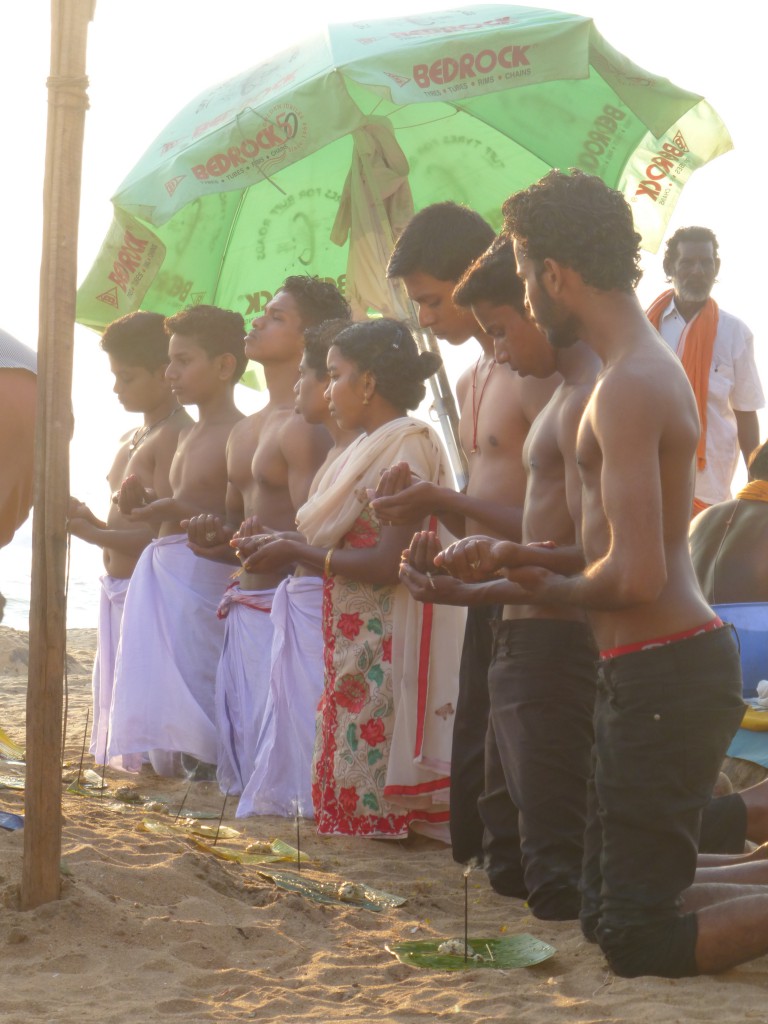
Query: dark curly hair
[137, 339]
[579, 221]
[386, 349]
[692, 234]
[317, 300]
[441, 240]
[317, 340]
[217, 331]
[493, 278]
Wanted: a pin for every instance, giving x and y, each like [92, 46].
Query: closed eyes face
[137, 388]
[309, 390]
[552, 320]
[516, 339]
[437, 310]
[278, 334]
[191, 373]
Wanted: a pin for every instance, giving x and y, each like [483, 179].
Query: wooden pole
[67, 103]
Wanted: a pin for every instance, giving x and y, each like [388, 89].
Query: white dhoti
[111, 602]
[242, 683]
[281, 778]
[171, 641]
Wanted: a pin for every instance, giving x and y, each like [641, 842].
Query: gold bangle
[327, 563]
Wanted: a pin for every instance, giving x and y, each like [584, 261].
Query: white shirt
[734, 384]
[15, 356]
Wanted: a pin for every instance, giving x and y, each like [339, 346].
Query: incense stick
[82, 752]
[221, 816]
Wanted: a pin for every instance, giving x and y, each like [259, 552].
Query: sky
[148, 58]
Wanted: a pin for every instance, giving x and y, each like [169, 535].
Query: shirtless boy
[171, 641]
[541, 679]
[669, 687]
[137, 346]
[280, 782]
[272, 458]
[496, 409]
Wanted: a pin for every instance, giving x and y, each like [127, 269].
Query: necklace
[142, 433]
[477, 402]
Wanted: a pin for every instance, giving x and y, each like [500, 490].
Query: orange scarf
[756, 490]
[697, 343]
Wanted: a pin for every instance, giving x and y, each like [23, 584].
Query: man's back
[729, 549]
[636, 447]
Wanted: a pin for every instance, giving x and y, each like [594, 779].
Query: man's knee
[662, 949]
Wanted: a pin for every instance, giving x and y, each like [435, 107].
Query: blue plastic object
[751, 624]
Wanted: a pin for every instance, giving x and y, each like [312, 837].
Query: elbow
[641, 588]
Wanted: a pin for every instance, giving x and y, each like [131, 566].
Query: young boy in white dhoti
[280, 782]
[137, 346]
[171, 641]
[272, 459]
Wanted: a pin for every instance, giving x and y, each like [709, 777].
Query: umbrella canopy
[343, 136]
[268, 173]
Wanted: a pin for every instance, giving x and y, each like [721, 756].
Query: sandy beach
[152, 927]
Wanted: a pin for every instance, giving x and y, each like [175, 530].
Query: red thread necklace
[477, 402]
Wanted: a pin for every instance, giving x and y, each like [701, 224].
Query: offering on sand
[511, 951]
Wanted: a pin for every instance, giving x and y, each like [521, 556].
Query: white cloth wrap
[111, 603]
[281, 777]
[242, 684]
[170, 646]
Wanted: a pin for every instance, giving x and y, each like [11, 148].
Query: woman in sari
[385, 719]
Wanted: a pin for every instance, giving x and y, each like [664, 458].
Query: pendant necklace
[142, 433]
[477, 402]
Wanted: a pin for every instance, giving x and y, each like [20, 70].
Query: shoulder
[464, 383]
[246, 426]
[731, 329]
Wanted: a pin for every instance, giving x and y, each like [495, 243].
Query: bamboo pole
[67, 103]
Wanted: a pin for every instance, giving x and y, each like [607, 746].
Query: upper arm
[304, 448]
[568, 430]
[234, 504]
[463, 385]
[629, 431]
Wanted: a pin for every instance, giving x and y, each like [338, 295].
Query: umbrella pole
[445, 407]
[67, 103]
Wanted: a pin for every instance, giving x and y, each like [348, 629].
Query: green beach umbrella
[312, 161]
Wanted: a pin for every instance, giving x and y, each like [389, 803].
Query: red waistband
[661, 641]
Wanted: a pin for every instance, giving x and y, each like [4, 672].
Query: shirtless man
[137, 346]
[541, 679]
[729, 541]
[171, 640]
[272, 458]
[280, 782]
[669, 679]
[496, 409]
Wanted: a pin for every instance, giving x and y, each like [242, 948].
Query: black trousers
[664, 718]
[538, 755]
[469, 729]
